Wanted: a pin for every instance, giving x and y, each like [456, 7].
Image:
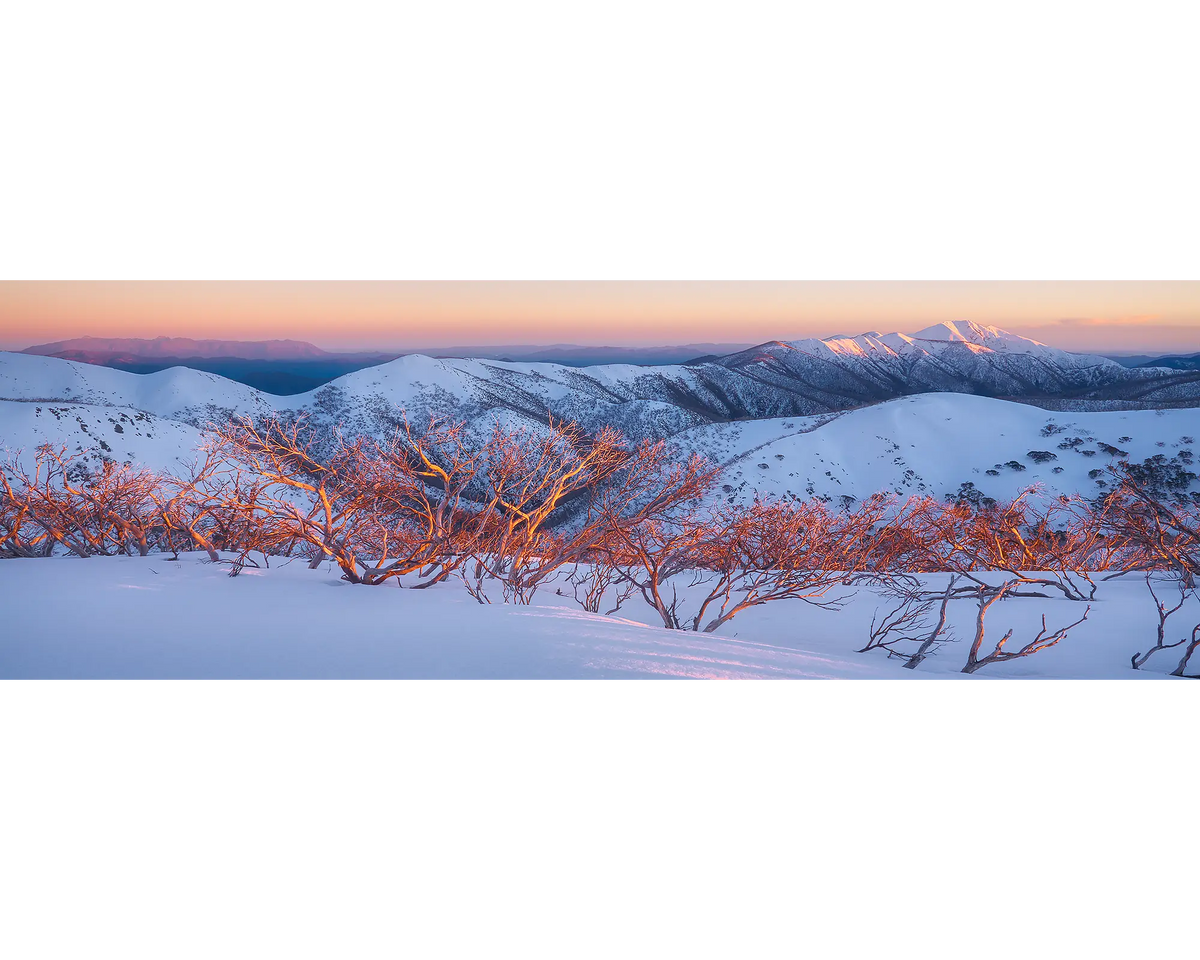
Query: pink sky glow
[1104, 316]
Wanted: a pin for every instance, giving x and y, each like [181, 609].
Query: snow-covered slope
[930, 443]
[933, 444]
[981, 337]
[178, 393]
[150, 617]
[92, 433]
[802, 378]
[960, 358]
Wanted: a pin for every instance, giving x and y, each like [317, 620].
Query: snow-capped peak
[873, 343]
[948, 343]
[968, 331]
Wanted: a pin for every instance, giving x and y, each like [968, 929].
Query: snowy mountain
[800, 378]
[98, 413]
[933, 444]
[835, 417]
[840, 419]
[178, 393]
[94, 432]
[958, 358]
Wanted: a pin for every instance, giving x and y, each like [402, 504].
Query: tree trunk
[1187, 654]
[923, 649]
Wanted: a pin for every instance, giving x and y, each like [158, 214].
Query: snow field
[134, 617]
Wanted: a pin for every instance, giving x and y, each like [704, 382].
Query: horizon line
[452, 348]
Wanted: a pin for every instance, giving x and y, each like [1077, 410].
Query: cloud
[1139, 320]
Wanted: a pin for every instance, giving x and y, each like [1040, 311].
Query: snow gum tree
[556, 497]
[507, 511]
[103, 512]
[735, 558]
[301, 497]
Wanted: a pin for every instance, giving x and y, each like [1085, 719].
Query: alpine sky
[1152, 315]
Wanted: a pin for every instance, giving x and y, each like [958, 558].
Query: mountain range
[774, 379]
[725, 380]
[98, 349]
[289, 367]
[835, 417]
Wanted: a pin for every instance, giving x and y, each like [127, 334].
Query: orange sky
[1094, 316]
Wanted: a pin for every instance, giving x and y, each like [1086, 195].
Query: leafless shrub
[422, 519]
[598, 578]
[509, 513]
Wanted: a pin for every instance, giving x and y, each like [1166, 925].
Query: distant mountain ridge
[277, 377]
[119, 347]
[289, 367]
[1174, 361]
[774, 379]
[1188, 362]
[127, 349]
[576, 355]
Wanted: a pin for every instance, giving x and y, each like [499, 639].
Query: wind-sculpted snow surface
[151, 617]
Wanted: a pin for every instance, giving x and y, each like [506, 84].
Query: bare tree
[1044, 639]
[1138, 660]
[186, 506]
[936, 636]
[1036, 550]
[89, 513]
[899, 624]
[20, 533]
[65, 516]
[1156, 534]
[301, 498]
[741, 557]
[123, 496]
[422, 519]
[1180, 671]
[597, 576]
[551, 499]
[776, 551]
[909, 622]
[654, 552]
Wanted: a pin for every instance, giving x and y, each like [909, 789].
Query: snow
[134, 617]
[93, 432]
[804, 377]
[165, 393]
[968, 331]
[931, 444]
[934, 341]
[925, 444]
[131, 617]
